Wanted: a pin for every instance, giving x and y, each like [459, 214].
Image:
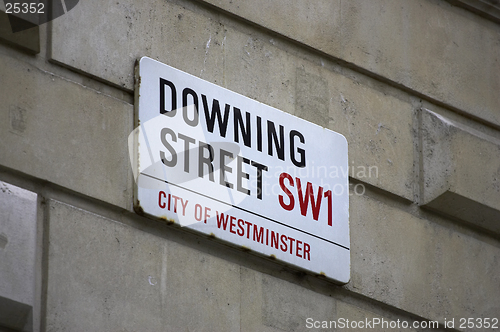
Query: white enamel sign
[231, 167]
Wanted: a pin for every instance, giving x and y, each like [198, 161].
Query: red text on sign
[304, 196]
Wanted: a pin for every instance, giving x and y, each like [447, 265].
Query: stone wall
[413, 86]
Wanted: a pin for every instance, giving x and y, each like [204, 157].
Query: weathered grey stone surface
[104, 275]
[439, 50]
[461, 171]
[65, 133]
[274, 304]
[378, 129]
[256, 67]
[271, 304]
[411, 264]
[18, 219]
[159, 29]
[27, 40]
[117, 278]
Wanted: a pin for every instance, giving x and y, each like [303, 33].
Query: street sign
[235, 169]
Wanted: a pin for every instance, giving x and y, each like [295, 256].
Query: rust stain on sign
[138, 208]
[169, 221]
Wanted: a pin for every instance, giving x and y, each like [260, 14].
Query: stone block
[432, 47]
[202, 292]
[378, 128]
[411, 264]
[271, 304]
[256, 68]
[460, 171]
[403, 43]
[167, 32]
[112, 277]
[316, 24]
[376, 124]
[18, 219]
[62, 132]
